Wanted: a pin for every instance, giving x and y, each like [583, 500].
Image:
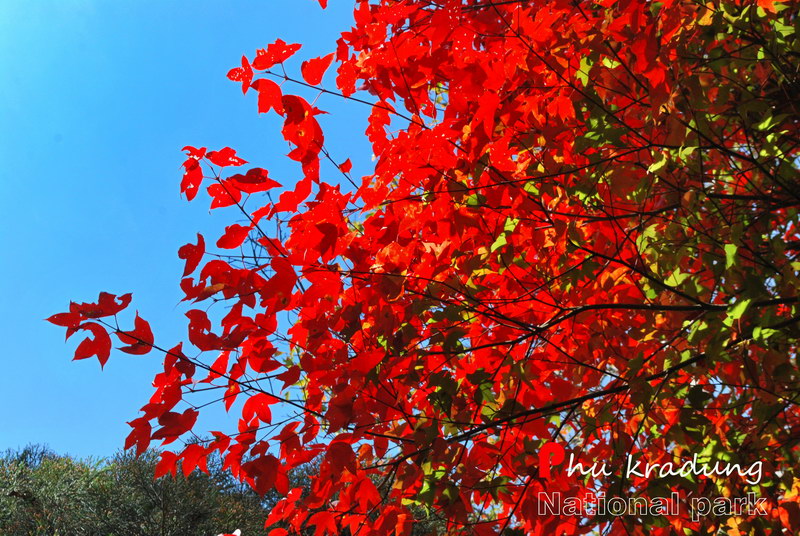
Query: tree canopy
[46, 494]
[580, 228]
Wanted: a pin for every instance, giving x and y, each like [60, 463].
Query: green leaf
[499, 242]
[476, 200]
[770, 122]
[730, 255]
[510, 225]
[658, 164]
[698, 397]
[739, 309]
[685, 152]
[583, 72]
[676, 278]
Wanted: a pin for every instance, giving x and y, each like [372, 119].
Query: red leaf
[341, 456]
[368, 495]
[192, 254]
[167, 464]
[243, 74]
[767, 5]
[487, 109]
[67, 320]
[258, 406]
[230, 395]
[262, 212]
[174, 424]
[269, 96]
[289, 200]
[225, 157]
[139, 436]
[303, 130]
[255, 180]
[562, 106]
[313, 70]
[199, 331]
[175, 358]
[266, 471]
[106, 305]
[223, 195]
[289, 377]
[277, 52]
[100, 345]
[208, 291]
[194, 152]
[194, 456]
[234, 236]
[325, 523]
[346, 166]
[219, 367]
[140, 340]
[366, 361]
[346, 78]
[192, 178]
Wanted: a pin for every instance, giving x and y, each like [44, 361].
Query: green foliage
[42, 493]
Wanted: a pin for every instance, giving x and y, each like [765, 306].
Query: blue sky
[96, 100]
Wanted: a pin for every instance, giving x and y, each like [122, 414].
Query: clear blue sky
[97, 97]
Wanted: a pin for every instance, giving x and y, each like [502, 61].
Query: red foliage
[573, 233]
